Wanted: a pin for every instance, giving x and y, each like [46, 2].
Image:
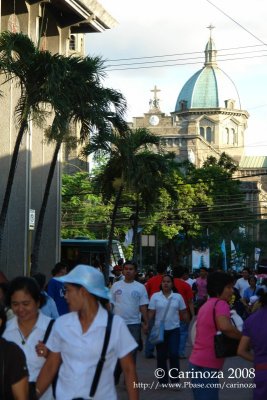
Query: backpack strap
[48, 330]
[102, 359]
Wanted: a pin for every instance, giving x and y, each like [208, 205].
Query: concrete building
[58, 26]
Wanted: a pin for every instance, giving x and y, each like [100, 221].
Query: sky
[170, 28]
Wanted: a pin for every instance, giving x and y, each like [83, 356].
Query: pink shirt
[201, 288]
[203, 354]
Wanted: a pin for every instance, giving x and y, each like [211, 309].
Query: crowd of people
[74, 337]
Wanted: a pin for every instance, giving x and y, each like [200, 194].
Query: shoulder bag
[224, 346]
[156, 335]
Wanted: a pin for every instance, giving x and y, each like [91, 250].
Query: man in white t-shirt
[129, 299]
[242, 283]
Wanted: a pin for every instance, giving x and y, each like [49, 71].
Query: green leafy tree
[83, 212]
[130, 163]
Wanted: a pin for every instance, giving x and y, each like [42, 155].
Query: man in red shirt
[153, 284]
[187, 294]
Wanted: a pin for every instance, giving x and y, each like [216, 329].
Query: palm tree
[132, 164]
[21, 62]
[80, 99]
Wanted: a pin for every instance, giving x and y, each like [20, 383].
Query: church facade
[207, 120]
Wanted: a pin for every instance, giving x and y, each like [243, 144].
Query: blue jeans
[169, 349]
[205, 393]
[184, 327]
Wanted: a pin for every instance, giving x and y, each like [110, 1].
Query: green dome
[209, 87]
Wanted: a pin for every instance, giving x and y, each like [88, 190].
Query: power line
[232, 19]
[176, 64]
[180, 54]
[183, 59]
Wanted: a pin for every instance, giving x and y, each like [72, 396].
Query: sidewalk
[233, 370]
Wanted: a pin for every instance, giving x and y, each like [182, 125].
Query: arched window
[226, 136]
[208, 134]
[202, 131]
[72, 45]
[233, 136]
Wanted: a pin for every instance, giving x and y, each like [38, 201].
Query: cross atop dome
[211, 27]
[154, 103]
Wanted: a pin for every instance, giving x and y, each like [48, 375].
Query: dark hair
[216, 282]
[172, 279]
[4, 287]
[252, 277]
[40, 279]
[161, 267]
[130, 262]
[204, 269]
[178, 271]
[29, 285]
[58, 267]
[3, 319]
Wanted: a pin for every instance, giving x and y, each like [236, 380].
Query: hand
[41, 349]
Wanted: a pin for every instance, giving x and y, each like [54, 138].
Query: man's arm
[143, 311]
[20, 389]
[129, 370]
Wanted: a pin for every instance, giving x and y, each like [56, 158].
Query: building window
[207, 133]
[72, 45]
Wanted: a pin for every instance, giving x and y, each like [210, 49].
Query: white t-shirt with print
[127, 298]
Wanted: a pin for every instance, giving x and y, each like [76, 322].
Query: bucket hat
[88, 277]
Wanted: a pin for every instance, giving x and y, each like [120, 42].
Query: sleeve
[16, 364]
[126, 342]
[54, 342]
[152, 303]
[144, 297]
[51, 288]
[222, 309]
[53, 308]
[181, 305]
[246, 330]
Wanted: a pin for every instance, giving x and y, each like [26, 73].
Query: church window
[72, 44]
[208, 134]
[225, 136]
[234, 137]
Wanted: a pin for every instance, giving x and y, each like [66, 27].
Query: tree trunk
[111, 232]
[39, 227]
[10, 179]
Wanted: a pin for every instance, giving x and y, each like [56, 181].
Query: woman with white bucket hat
[78, 339]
